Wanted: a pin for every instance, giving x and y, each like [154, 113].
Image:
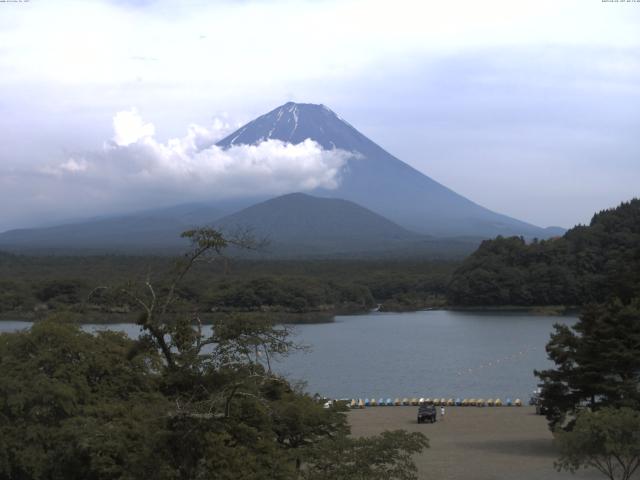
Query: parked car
[426, 413]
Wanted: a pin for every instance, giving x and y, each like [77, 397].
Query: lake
[416, 354]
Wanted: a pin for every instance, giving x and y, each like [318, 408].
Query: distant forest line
[283, 290]
[588, 264]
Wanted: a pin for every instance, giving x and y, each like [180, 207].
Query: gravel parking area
[475, 443]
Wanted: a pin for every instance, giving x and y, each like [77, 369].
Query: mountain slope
[154, 231]
[302, 224]
[379, 181]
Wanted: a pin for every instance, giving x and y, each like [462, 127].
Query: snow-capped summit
[294, 123]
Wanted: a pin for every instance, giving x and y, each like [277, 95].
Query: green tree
[388, 456]
[607, 440]
[597, 363]
[73, 406]
[299, 425]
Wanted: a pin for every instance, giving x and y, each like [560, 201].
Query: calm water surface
[429, 353]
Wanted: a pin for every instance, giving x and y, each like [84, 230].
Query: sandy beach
[475, 443]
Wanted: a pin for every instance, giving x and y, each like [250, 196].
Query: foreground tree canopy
[592, 396]
[607, 440]
[597, 363]
[588, 264]
[180, 402]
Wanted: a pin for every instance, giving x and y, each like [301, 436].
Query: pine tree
[597, 363]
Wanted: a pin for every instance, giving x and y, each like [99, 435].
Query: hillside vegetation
[588, 264]
[289, 291]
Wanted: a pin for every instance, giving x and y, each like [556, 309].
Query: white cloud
[72, 166]
[193, 167]
[129, 128]
[68, 167]
[135, 171]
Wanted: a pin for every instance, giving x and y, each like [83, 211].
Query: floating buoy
[498, 402]
[397, 402]
[518, 402]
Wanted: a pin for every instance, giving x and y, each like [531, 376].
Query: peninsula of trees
[588, 264]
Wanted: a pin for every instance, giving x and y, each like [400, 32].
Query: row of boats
[458, 402]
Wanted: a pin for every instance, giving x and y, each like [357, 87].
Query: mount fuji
[375, 179]
[380, 204]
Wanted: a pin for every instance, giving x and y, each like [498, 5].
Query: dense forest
[588, 264]
[311, 290]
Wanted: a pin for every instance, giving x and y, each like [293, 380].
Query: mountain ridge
[301, 225]
[304, 222]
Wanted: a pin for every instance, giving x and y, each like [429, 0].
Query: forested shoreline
[588, 264]
[283, 291]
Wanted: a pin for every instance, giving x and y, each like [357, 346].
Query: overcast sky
[530, 108]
